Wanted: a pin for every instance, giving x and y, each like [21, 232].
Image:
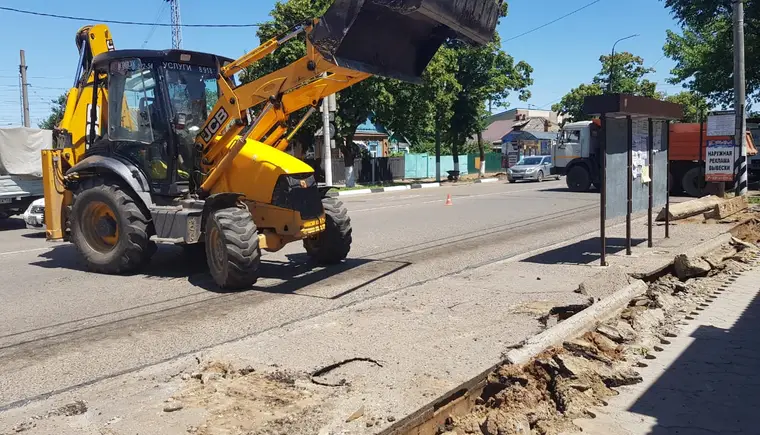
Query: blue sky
[563, 54]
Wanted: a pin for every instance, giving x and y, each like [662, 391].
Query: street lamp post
[612, 61]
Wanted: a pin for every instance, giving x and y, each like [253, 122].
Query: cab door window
[135, 116]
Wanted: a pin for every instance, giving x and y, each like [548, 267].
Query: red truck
[686, 172]
[576, 156]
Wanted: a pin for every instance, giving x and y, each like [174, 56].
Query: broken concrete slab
[605, 283]
[690, 208]
[727, 208]
[689, 267]
[578, 324]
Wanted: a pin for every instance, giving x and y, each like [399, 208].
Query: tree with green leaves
[422, 112]
[695, 107]
[571, 105]
[628, 78]
[448, 105]
[484, 74]
[703, 52]
[56, 115]
[355, 104]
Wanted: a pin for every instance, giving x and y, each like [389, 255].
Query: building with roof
[502, 124]
[372, 137]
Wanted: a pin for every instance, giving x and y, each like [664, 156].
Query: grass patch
[753, 199]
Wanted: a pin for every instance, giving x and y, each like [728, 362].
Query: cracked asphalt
[62, 327]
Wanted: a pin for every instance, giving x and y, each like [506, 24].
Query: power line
[156, 20]
[35, 77]
[129, 23]
[553, 21]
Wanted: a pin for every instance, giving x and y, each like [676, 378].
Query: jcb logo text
[214, 125]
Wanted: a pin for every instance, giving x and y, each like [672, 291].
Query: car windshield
[530, 161]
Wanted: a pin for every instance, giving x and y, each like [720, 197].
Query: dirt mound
[243, 401]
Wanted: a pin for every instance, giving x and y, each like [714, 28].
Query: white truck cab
[575, 155]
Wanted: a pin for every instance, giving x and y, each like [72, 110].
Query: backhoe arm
[301, 84]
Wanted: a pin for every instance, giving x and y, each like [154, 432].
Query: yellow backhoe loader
[161, 147]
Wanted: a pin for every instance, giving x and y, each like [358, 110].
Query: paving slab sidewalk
[704, 382]
[408, 347]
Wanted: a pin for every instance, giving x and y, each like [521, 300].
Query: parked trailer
[577, 155]
[21, 168]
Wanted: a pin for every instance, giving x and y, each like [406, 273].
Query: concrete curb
[384, 189]
[602, 310]
[400, 188]
[578, 324]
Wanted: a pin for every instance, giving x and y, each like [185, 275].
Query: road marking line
[26, 250]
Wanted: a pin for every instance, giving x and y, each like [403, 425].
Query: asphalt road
[63, 327]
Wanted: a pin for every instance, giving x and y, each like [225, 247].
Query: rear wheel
[692, 182]
[332, 245]
[109, 229]
[578, 179]
[232, 248]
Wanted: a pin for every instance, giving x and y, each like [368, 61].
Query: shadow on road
[712, 386]
[566, 190]
[583, 252]
[36, 234]
[172, 262]
[12, 224]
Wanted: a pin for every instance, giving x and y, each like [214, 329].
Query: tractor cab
[157, 103]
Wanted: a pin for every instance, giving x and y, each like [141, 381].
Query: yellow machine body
[70, 136]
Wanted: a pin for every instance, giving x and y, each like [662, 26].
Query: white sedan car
[34, 216]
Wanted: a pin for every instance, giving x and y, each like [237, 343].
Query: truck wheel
[232, 248]
[692, 182]
[109, 229]
[578, 179]
[332, 245]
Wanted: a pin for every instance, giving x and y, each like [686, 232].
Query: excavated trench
[567, 382]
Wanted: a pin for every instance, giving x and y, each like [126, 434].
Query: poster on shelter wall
[641, 146]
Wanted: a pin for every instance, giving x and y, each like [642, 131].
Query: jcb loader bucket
[398, 38]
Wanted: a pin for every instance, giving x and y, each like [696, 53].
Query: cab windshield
[193, 93]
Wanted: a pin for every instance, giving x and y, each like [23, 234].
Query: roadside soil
[568, 382]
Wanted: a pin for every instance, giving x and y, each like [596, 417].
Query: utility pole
[176, 25]
[740, 97]
[24, 89]
[327, 155]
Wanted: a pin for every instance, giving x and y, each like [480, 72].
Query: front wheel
[540, 176]
[232, 248]
[332, 245]
[578, 179]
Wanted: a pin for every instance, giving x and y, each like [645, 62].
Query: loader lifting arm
[301, 84]
[354, 40]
